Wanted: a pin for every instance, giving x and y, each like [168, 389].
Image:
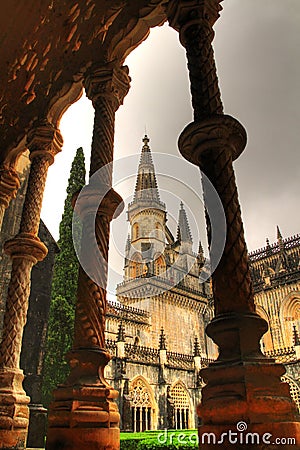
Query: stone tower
[161, 272]
[147, 217]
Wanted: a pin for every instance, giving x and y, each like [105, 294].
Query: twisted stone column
[84, 409]
[9, 185]
[242, 384]
[25, 249]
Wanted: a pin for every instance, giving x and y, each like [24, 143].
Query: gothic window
[160, 266]
[294, 390]
[135, 268]
[135, 231]
[141, 406]
[181, 406]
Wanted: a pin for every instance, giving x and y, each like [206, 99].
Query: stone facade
[155, 331]
[276, 280]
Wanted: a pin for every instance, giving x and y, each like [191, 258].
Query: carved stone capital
[217, 132]
[27, 246]
[92, 201]
[9, 184]
[110, 81]
[184, 13]
[44, 140]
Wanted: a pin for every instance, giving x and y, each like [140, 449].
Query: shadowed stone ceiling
[47, 45]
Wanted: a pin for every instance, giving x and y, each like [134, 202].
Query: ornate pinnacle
[162, 340]
[183, 228]
[196, 347]
[296, 337]
[121, 333]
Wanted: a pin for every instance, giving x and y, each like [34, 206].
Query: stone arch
[182, 405]
[135, 266]
[294, 389]
[144, 410]
[159, 265]
[289, 316]
[266, 340]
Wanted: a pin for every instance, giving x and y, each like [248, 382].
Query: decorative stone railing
[126, 312]
[283, 355]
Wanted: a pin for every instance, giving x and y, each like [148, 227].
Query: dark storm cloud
[257, 55]
[258, 62]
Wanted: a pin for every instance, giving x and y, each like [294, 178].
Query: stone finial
[162, 340]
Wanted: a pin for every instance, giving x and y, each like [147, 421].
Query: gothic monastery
[156, 330]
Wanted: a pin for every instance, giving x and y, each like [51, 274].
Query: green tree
[64, 287]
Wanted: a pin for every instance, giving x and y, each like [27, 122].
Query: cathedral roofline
[273, 249]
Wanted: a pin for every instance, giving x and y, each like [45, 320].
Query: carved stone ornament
[9, 184]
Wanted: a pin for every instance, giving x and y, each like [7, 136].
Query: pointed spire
[121, 333]
[183, 228]
[279, 235]
[268, 247]
[196, 347]
[162, 340]
[128, 245]
[146, 189]
[296, 336]
[200, 256]
[280, 239]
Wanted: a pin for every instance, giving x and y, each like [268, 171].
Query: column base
[84, 417]
[37, 426]
[84, 413]
[248, 392]
[244, 392]
[14, 411]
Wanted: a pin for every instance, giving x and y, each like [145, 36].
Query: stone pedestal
[84, 413]
[14, 412]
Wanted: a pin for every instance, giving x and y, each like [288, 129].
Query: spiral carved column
[242, 384]
[84, 410]
[9, 185]
[25, 249]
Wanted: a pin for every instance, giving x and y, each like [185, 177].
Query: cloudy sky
[257, 52]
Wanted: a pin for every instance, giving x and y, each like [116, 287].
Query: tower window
[135, 231]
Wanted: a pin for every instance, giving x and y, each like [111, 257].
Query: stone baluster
[86, 396]
[9, 185]
[25, 250]
[242, 384]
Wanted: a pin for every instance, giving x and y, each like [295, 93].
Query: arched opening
[135, 231]
[143, 411]
[182, 406]
[160, 266]
[290, 317]
[266, 341]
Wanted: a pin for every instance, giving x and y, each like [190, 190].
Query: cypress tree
[64, 287]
